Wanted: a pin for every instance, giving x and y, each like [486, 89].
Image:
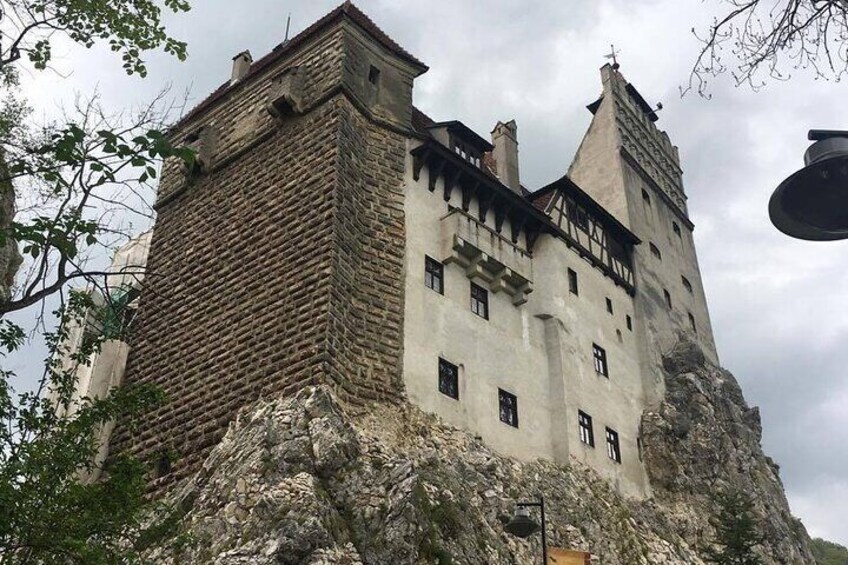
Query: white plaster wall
[540, 351]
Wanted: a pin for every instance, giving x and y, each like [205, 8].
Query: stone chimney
[241, 64]
[505, 140]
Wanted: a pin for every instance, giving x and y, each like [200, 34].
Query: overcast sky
[778, 305]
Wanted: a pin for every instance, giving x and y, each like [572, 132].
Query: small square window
[572, 281]
[692, 323]
[374, 75]
[600, 357]
[434, 275]
[667, 298]
[655, 251]
[480, 301]
[613, 447]
[508, 408]
[629, 322]
[448, 379]
[676, 229]
[587, 436]
[686, 284]
[609, 306]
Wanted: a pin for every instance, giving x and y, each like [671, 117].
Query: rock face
[704, 439]
[296, 481]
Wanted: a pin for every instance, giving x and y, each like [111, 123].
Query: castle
[331, 232]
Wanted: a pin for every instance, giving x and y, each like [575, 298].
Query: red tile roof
[347, 9]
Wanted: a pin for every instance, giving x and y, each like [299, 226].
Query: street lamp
[812, 204]
[522, 525]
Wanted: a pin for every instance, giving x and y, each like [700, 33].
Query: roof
[346, 10]
[466, 133]
[568, 186]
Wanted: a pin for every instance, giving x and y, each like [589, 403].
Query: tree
[829, 553]
[736, 531]
[77, 182]
[755, 39]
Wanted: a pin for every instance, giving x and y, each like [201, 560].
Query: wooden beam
[450, 183]
[468, 191]
[516, 225]
[500, 216]
[418, 162]
[435, 173]
[485, 204]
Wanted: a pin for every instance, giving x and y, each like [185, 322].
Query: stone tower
[631, 168]
[276, 262]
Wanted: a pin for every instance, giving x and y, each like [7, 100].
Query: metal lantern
[812, 204]
[522, 525]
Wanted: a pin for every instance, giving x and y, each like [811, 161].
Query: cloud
[778, 306]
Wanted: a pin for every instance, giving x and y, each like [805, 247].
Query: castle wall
[540, 351]
[279, 265]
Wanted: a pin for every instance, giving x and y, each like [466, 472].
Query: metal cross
[613, 55]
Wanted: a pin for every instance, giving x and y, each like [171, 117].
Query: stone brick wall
[279, 266]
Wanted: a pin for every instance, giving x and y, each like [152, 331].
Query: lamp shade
[812, 204]
[522, 525]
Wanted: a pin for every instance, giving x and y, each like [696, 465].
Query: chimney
[505, 140]
[241, 64]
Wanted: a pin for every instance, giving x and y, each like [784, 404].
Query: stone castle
[332, 233]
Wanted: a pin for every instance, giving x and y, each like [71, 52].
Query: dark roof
[348, 10]
[631, 90]
[568, 186]
[466, 133]
[421, 121]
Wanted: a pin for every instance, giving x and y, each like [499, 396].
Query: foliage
[129, 27]
[736, 531]
[756, 39]
[48, 441]
[829, 553]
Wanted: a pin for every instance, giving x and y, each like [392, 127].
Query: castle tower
[631, 168]
[276, 262]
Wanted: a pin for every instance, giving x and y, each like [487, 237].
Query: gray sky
[778, 305]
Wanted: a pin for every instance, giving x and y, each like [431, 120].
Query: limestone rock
[298, 481]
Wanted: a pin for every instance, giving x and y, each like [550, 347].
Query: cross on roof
[613, 55]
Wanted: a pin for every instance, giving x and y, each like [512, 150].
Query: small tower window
[508, 404]
[600, 357]
[629, 322]
[434, 275]
[374, 75]
[480, 301]
[584, 421]
[609, 306]
[686, 284]
[613, 447]
[448, 379]
[667, 298]
[646, 198]
[655, 251]
[692, 323]
[572, 281]
[676, 229]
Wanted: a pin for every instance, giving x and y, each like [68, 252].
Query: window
[619, 336]
[629, 323]
[448, 379]
[480, 301]
[686, 284]
[585, 422]
[572, 281]
[600, 360]
[374, 75]
[692, 323]
[646, 198]
[667, 298]
[434, 275]
[613, 449]
[609, 305]
[655, 251]
[676, 229]
[508, 408]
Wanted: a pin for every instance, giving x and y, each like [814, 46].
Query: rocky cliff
[297, 481]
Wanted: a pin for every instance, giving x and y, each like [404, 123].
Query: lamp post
[812, 203]
[522, 526]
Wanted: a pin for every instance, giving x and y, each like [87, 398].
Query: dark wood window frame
[480, 301]
[508, 408]
[599, 356]
[587, 434]
[613, 445]
[573, 287]
[448, 379]
[434, 275]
